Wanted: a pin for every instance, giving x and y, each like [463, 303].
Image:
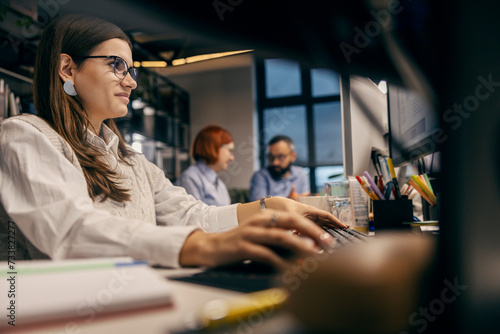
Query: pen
[378, 178]
[369, 192]
[404, 189]
[411, 192]
[424, 188]
[380, 182]
[384, 169]
[394, 178]
[373, 185]
[388, 189]
[407, 190]
[421, 192]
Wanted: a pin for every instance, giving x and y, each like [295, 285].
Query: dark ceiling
[158, 31]
[313, 32]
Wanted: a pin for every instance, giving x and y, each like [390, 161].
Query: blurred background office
[303, 102]
[263, 89]
[187, 81]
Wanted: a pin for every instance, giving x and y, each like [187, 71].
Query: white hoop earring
[69, 88]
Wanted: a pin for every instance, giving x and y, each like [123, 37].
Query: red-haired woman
[213, 151]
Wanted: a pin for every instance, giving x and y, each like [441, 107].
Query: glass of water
[337, 195]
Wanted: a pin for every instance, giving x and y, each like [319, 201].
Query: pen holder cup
[391, 214]
[430, 212]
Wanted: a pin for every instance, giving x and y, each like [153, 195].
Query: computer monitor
[364, 123]
[413, 125]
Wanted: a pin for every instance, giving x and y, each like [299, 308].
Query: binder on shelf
[165, 160]
[6, 100]
[2, 100]
[183, 161]
[164, 127]
[182, 135]
[13, 106]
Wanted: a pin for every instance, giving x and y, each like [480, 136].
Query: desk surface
[188, 300]
[394, 263]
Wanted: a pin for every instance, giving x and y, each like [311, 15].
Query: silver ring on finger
[274, 220]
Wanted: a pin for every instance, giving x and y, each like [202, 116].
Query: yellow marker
[222, 312]
[424, 188]
[391, 168]
[394, 178]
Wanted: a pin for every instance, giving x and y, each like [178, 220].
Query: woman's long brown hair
[77, 36]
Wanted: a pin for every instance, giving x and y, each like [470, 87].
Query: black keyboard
[250, 276]
[243, 277]
[346, 236]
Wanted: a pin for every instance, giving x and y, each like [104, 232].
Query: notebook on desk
[77, 290]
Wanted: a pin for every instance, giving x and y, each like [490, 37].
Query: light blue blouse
[203, 183]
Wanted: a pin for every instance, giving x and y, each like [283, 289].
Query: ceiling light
[194, 59]
[150, 63]
[180, 61]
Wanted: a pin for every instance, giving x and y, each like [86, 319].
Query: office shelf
[158, 122]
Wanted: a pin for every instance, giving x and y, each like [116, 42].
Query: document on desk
[359, 206]
[33, 292]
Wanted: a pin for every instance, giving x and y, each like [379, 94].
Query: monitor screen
[413, 125]
[364, 123]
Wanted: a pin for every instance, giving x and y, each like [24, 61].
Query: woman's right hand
[262, 238]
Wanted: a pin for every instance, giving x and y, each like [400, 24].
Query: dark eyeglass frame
[130, 70]
[280, 157]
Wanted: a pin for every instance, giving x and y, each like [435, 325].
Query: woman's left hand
[320, 217]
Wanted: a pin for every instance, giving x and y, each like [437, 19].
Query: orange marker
[368, 191]
[421, 192]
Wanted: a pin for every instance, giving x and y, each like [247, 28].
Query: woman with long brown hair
[75, 189]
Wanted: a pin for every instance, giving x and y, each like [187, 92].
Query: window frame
[306, 99]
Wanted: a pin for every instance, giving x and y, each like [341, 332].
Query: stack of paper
[41, 291]
[359, 206]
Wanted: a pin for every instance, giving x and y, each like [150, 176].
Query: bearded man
[280, 177]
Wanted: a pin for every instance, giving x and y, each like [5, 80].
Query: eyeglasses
[280, 157]
[120, 67]
[228, 146]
